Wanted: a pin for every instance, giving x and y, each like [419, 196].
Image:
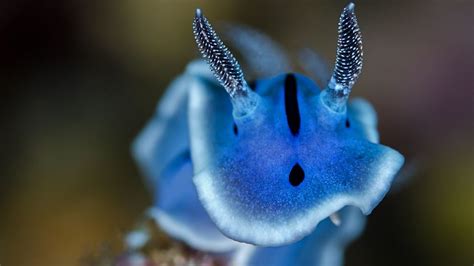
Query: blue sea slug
[263, 163]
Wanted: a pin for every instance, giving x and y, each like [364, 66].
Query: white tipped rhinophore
[224, 65]
[348, 61]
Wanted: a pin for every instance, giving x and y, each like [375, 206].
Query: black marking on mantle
[291, 104]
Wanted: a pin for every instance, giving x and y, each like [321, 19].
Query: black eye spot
[348, 123]
[236, 130]
[296, 175]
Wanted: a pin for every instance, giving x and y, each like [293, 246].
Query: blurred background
[79, 79]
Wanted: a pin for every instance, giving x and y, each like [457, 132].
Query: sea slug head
[274, 159]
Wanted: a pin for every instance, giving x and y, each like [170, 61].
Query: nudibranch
[263, 164]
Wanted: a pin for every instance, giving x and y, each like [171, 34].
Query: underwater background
[79, 80]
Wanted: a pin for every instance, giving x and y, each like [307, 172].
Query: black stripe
[291, 104]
